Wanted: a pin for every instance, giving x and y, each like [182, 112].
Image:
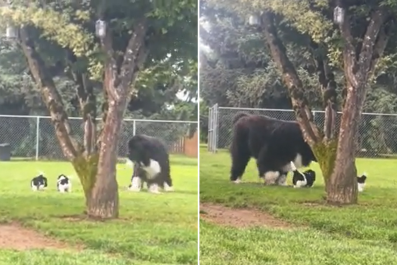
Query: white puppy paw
[136, 184]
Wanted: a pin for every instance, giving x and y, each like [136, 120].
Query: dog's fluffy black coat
[38, 182]
[272, 142]
[141, 149]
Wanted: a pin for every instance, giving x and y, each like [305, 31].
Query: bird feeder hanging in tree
[339, 15]
[11, 32]
[100, 28]
[254, 20]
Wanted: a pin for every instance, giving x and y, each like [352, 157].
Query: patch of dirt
[239, 217]
[16, 237]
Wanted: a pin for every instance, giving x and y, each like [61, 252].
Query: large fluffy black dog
[273, 143]
[151, 163]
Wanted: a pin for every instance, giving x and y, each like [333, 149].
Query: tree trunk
[104, 200]
[342, 187]
[86, 168]
[325, 153]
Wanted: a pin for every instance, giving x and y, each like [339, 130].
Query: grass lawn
[320, 235]
[152, 229]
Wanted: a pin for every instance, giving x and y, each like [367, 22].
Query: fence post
[215, 129]
[133, 127]
[37, 137]
[314, 116]
[209, 135]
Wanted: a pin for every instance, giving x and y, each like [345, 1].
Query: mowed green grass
[362, 234]
[152, 229]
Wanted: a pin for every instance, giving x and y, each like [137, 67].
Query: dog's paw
[168, 188]
[154, 188]
[237, 181]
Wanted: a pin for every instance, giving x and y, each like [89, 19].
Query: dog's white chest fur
[153, 169]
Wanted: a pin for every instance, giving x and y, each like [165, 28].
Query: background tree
[143, 42]
[332, 50]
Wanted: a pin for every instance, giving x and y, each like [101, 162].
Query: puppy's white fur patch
[136, 184]
[300, 183]
[360, 187]
[35, 188]
[153, 169]
[271, 177]
[65, 188]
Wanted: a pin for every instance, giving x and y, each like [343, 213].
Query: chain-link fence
[377, 132]
[33, 137]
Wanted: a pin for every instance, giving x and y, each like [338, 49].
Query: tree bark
[104, 199]
[342, 185]
[86, 168]
[50, 95]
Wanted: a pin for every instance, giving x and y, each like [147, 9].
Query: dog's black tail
[238, 116]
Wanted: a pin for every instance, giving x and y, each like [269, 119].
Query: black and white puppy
[64, 184]
[151, 164]
[136, 181]
[38, 183]
[302, 179]
[361, 182]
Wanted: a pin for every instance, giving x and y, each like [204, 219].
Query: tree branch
[51, 96]
[134, 56]
[349, 50]
[87, 102]
[299, 102]
[330, 101]
[380, 46]
[110, 66]
[366, 59]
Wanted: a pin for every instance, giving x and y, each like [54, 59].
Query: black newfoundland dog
[273, 143]
[151, 164]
